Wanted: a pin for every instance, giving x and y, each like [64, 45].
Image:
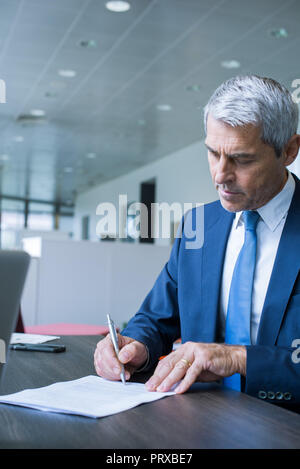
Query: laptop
[13, 270]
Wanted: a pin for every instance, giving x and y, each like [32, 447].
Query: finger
[134, 351]
[106, 361]
[133, 354]
[179, 371]
[127, 353]
[163, 369]
[96, 366]
[129, 370]
[191, 376]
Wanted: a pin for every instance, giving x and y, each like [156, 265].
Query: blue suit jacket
[184, 302]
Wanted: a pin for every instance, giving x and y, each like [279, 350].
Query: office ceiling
[106, 120]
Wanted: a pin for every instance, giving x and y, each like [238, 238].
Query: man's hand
[133, 355]
[197, 362]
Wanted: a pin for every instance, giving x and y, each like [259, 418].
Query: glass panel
[36, 207]
[40, 217]
[64, 210]
[12, 205]
[43, 221]
[12, 221]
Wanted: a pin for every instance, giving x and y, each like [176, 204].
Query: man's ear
[291, 149]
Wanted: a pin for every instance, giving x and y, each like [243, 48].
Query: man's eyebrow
[233, 155]
[210, 149]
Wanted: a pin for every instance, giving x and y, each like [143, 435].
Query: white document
[91, 396]
[22, 338]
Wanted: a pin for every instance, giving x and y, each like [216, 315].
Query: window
[12, 221]
[40, 217]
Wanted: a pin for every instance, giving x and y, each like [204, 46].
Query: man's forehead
[221, 133]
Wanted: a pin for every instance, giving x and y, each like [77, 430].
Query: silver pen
[114, 339]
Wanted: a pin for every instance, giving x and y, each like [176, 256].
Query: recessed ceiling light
[19, 138]
[279, 33]
[164, 107]
[91, 155]
[118, 7]
[67, 73]
[87, 43]
[230, 64]
[37, 112]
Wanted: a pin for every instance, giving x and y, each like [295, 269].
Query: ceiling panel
[153, 54]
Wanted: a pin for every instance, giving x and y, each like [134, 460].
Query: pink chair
[67, 329]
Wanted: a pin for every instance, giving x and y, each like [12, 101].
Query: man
[235, 302]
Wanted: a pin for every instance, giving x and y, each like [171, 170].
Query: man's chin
[231, 201]
[230, 206]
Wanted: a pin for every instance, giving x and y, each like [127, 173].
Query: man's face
[245, 171]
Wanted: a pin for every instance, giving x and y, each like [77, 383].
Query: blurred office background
[106, 98]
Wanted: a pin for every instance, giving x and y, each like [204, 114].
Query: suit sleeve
[157, 323]
[273, 374]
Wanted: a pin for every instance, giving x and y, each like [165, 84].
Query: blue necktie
[237, 330]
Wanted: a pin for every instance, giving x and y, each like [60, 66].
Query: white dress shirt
[269, 229]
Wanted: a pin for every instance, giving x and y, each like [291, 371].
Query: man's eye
[243, 162]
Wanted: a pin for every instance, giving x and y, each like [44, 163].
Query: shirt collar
[276, 209]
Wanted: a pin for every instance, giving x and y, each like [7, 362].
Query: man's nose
[224, 171]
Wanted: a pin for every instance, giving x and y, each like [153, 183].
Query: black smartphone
[39, 347]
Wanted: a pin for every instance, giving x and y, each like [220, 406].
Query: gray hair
[260, 101]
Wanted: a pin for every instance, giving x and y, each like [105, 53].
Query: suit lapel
[284, 274]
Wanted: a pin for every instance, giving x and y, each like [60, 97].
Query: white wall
[180, 177]
[81, 281]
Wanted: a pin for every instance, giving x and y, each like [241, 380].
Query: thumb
[127, 353]
[133, 352]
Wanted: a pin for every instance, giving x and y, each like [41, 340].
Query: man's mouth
[228, 193]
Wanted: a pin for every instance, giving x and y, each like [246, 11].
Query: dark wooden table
[207, 417]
